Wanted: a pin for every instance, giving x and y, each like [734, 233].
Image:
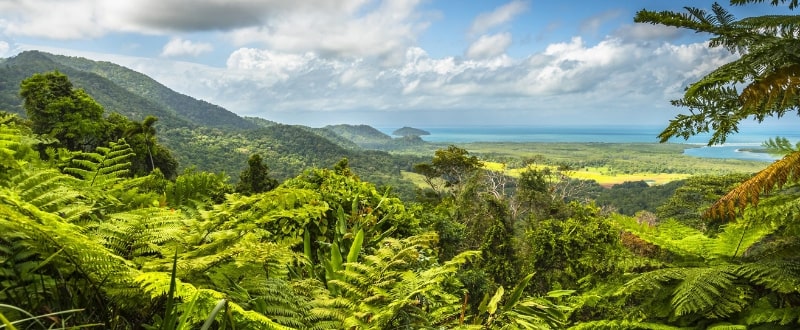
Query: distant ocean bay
[737, 146]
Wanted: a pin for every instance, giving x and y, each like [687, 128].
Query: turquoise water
[736, 146]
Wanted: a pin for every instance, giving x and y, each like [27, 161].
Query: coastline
[744, 146]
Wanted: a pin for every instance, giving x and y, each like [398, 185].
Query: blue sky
[390, 62]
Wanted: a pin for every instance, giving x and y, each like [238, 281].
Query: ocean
[738, 146]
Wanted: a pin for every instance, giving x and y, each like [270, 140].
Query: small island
[410, 131]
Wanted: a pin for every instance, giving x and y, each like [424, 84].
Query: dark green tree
[691, 200]
[58, 110]
[255, 178]
[452, 167]
[148, 132]
[141, 136]
[768, 68]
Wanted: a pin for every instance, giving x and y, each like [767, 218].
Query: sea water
[743, 145]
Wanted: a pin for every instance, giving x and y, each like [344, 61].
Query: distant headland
[409, 131]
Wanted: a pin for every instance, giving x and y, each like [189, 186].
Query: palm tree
[148, 131]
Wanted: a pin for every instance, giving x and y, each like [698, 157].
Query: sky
[391, 63]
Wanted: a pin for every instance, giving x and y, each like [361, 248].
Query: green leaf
[336, 257]
[517, 292]
[355, 249]
[492, 306]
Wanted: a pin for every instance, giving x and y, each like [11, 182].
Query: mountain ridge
[200, 134]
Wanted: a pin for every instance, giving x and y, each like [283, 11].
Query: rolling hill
[200, 134]
[118, 89]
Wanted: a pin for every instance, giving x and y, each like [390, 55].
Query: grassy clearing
[603, 175]
[606, 163]
[610, 180]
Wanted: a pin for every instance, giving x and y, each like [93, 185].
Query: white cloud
[489, 45]
[499, 16]
[180, 47]
[614, 81]
[73, 19]
[68, 19]
[330, 28]
[4, 48]
[571, 77]
[383, 32]
[593, 23]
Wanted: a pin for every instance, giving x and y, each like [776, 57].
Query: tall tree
[255, 178]
[58, 110]
[146, 129]
[453, 166]
[769, 69]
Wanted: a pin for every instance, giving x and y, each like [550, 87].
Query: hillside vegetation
[101, 230]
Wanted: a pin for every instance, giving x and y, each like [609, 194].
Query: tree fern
[140, 232]
[93, 268]
[714, 278]
[773, 177]
[105, 166]
[198, 303]
[385, 289]
[51, 191]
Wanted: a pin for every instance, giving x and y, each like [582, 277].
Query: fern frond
[140, 232]
[775, 90]
[764, 313]
[46, 233]
[782, 276]
[736, 238]
[10, 140]
[624, 325]
[198, 303]
[104, 167]
[773, 177]
[669, 235]
[51, 191]
[651, 281]
[709, 291]
[780, 146]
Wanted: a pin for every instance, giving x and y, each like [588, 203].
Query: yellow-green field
[602, 175]
[606, 163]
[610, 180]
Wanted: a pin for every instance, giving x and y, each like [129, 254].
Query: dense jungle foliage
[102, 229]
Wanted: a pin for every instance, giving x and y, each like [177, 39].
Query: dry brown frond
[778, 89]
[774, 176]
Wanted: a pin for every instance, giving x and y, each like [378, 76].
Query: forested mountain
[200, 134]
[363, 135]
[94, 237]
[368, 137]
[118, 89]
[408, 131]
[113, 97]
